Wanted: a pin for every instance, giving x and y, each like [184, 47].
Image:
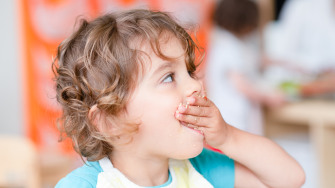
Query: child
[234, 64]
[135, 110]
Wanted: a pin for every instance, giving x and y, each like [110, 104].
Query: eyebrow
[162, 67]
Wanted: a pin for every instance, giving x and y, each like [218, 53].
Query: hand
[274, 99]
[202, 113]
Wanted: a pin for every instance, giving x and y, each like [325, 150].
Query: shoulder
[209, 158]
[217, 168]
[83, 177]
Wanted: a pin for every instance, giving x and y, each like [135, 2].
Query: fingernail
[182, 108]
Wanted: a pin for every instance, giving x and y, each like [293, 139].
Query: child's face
[164, 86]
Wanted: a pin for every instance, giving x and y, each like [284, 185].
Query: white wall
[11, 108]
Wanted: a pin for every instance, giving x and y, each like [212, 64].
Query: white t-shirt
[307, 34]
[228, 53]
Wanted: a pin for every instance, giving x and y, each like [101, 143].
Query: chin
[197, 150]
[189, 152]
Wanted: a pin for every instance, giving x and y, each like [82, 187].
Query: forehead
[167, 49]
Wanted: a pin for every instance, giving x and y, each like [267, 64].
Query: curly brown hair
[99, 65]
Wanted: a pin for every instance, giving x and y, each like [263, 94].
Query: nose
[193, 86]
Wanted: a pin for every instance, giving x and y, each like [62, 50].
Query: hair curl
[98, 65]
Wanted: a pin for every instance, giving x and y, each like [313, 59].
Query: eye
[169, 78]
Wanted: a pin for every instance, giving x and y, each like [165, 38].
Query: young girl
[135, 110]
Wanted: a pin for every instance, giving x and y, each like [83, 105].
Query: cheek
[153, 108]
[156, 110]
[160, 102]
[161, 108]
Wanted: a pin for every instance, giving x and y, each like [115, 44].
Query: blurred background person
[234, 65]
[304, 37]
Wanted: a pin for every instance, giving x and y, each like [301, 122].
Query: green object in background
[290, 88]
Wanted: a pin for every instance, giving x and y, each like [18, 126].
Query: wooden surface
[307, 112]
[18, 163]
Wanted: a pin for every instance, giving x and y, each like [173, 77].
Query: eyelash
[172, 75]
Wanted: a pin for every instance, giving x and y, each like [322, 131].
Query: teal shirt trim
[217, 168]
[83, 177]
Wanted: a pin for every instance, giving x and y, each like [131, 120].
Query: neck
[141, 170]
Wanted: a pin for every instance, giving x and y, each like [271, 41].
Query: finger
[194, 110]
[194, 120]
[198, 100]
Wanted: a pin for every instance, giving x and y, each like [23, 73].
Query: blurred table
[319, 116]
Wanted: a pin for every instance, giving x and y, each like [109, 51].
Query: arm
[323, 85]
[253, 93]
[246, 178]
[259, 161]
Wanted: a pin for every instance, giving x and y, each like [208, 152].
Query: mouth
[192, 127]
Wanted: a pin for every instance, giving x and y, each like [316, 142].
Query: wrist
[228, 139]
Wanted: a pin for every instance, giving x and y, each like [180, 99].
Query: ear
[95, 116]
[104, 124]
[112, 127]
